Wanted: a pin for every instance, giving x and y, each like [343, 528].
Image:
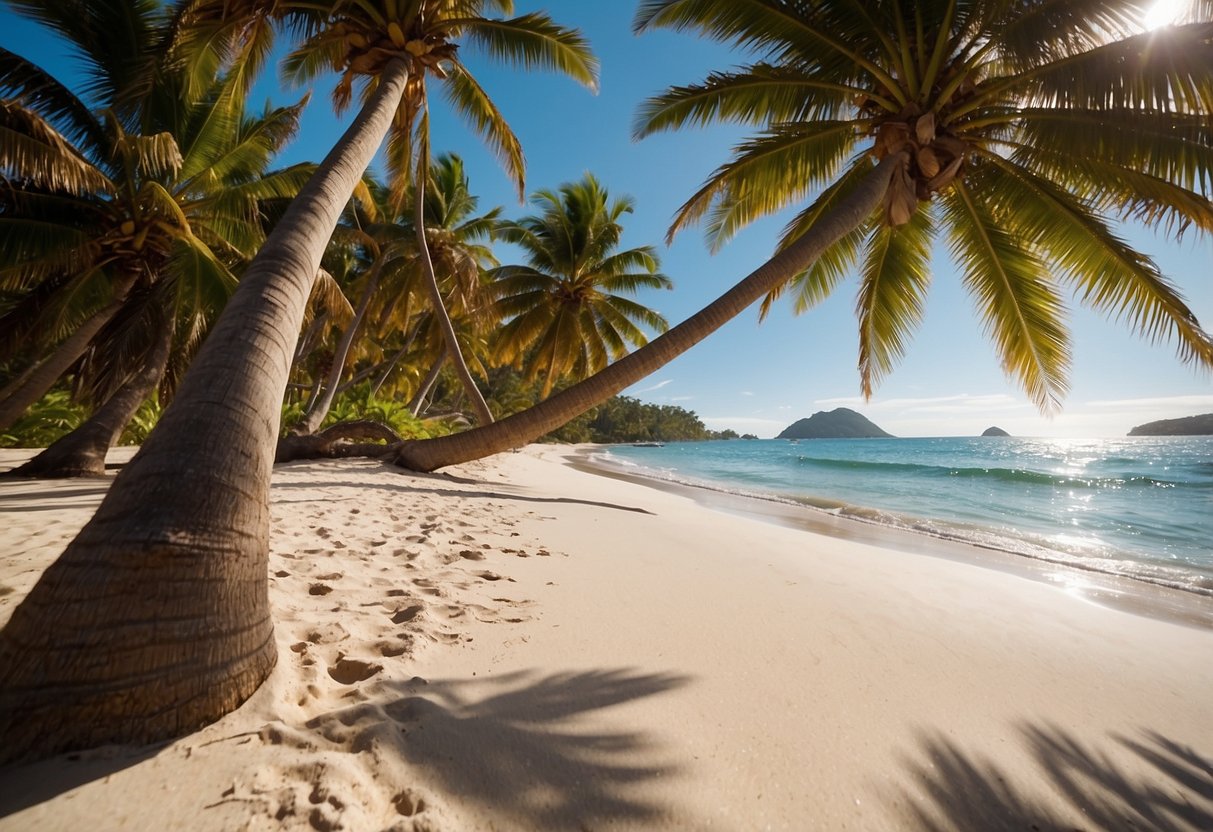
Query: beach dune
[516, 644]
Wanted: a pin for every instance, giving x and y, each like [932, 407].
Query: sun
[1164, 13]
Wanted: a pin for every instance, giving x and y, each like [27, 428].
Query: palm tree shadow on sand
[519, 745]
[1162, 785]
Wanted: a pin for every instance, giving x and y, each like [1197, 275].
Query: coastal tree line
[147, 236]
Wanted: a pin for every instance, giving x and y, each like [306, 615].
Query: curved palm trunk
[155, 620]
[483, 414]
[427, 384]
[321, 405]
[81, 453]
[530, 424]
[32, 386]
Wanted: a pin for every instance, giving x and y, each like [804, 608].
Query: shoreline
[518, 644]
[1136, 594]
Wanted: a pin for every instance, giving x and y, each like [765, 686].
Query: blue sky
[748, 377]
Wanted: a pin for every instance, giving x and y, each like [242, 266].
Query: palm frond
[892, 295]
[532, 41]
[30, 86]
[1009, 283]
[758, 94]
[768, 173]
[32, 150]
[478, 110]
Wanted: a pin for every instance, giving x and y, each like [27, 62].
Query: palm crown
[135, 185]
[1024, 132]
[563, 308]
[359, 40]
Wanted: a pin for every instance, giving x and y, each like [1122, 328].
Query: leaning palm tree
[363, 39]
[564, 316]
[91, 656]
[188, 222]
[1019, 133]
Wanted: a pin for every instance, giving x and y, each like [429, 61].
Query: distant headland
[994, 431]
[840, 423]
[1201, 425]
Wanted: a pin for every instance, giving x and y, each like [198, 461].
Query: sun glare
[1163, 13]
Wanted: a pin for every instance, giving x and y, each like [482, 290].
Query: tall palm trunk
[31, 386]
[483, 414]
[156, 620]
[530, 424]
[81, 453]
[319, 408]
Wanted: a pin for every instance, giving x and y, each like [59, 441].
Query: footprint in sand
[471, 554]
[409, 613]
[319, 589]
[351, 671]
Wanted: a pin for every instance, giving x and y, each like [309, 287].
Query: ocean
[1137, 507]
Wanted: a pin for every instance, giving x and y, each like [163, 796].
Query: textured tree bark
[530, 424]
[81, 453]
[483, 414]
[155, 620]
[30, 387]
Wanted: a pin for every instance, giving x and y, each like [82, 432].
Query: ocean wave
[1009, 475]
[1108, 560]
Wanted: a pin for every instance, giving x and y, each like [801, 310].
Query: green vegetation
[624, 419]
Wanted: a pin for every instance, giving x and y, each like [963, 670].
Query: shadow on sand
[1145, 782]
[529, 749]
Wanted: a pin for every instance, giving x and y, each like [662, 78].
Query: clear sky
[748, 377]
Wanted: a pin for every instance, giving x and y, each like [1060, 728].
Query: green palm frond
[1169, 70]
[816, 283]
[477, 109]
[1172, 147]
[36, 248]
[1009, 283]
[758, 94]
[532, 41]
[25, 82]
[1108, 273]
[31, 149]
[892, 295]
[767, 174]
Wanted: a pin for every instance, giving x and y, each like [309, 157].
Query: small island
[841, 423]
[1201, 425]
[994, 431]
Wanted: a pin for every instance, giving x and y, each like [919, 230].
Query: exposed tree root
[339, 442]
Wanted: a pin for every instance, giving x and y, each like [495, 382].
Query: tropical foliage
[1024, 133]
[131, 191]
[365, 40]
[566, 316]
[1019, 134]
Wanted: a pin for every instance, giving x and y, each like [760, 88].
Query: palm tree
[184, 221]
[363, 38]
[1020, 131]
[394, 272]
[564, 318]
[90, 655]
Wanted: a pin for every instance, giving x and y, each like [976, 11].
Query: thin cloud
[656, 386]
[1157, 401]
[958, 403]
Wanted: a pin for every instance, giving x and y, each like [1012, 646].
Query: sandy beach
[520, 644]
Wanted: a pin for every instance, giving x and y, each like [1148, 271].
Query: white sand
[524, 646]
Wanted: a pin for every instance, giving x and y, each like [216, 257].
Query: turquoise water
[1141, 507]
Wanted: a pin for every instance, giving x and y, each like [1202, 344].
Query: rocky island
[1201, 425]
[841, 423]
[994, 431]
